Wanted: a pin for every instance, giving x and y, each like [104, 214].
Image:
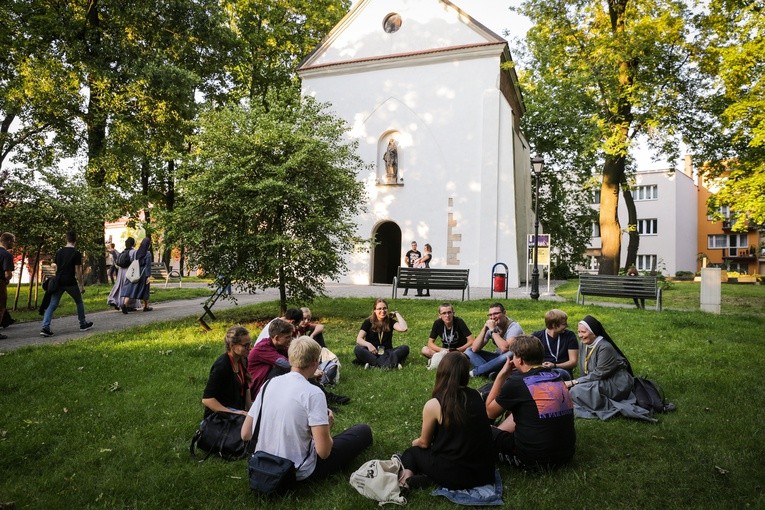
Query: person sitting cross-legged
[454, 333]
[296, 422]
[539, 430]
[501, 330]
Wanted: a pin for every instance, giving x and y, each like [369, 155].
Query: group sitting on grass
[526, 420]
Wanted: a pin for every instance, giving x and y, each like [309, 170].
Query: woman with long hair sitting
[376, 336]
[455, 447]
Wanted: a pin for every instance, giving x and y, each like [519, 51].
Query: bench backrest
[434, 277]
[607, 285]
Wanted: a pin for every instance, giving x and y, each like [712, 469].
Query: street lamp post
[537, 163]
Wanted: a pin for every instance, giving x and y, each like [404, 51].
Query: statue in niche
[391, 162]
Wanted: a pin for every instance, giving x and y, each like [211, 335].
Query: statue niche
[390, 157]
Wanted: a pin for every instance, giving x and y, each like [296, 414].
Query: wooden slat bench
[432, 278]
[645, 287]
[160, 272]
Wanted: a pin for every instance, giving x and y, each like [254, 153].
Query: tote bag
[133, 273]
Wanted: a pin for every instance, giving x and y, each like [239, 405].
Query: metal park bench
[160, 272]
[645, 287]
[432, 278]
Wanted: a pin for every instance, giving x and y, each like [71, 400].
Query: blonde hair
[303, 351]
[306, 311]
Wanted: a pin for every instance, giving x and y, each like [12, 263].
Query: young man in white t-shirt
[295, 422]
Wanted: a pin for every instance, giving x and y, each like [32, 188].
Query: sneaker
[471, 374]
[366, 366]
[86, 326]
[399, 366]
[46, 332]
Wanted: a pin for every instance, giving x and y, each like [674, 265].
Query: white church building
[423, 81]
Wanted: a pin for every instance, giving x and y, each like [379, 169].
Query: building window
[646, 262]
[647, 227]
[730, 243]
[650, 192]
[392, 23]
[596, 228]
[723, 210]
[593, 263]
[596, 196]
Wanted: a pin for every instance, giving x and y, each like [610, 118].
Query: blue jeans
[55, 299]
[485, 362]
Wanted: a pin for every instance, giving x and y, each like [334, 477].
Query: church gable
[379, 29]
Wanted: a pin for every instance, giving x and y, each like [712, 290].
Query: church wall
[450, 119]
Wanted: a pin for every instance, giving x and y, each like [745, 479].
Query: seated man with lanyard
[501, 330]
[455, 334]
[561, 347]
[539, 430]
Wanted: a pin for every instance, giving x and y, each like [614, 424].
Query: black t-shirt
[411, 256]
[67, 258]
[556, 350]
[453, 337]
[6, 262]
[374, 338]
[543, 414]
[224, 386]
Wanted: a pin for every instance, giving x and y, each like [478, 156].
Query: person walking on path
[140, 289]
[69, 275]
[7, 241]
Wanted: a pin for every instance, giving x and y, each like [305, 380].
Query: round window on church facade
[392, 23]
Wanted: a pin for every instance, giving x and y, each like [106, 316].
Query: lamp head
[537, 163]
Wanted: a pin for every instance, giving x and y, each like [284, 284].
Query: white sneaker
[471, 374]
[399, 366]
[366, 366]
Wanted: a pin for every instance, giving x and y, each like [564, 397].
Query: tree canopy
[599, 75]
[732, 143]
[271, 197]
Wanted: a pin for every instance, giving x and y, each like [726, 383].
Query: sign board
[543, 240]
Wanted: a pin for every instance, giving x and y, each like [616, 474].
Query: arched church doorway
[387, 252]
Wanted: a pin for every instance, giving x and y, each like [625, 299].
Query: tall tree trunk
[169, 206]
[610, 230]
[634, 236]
[21, 272]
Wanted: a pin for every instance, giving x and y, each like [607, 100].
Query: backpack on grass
[650, 396]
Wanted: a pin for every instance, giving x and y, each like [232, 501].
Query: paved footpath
[67, 328]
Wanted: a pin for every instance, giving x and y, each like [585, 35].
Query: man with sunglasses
[501, 330]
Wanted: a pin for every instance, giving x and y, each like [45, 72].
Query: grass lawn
[105, 422]
[95, 298]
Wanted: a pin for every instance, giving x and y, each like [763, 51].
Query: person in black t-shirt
[69, 275]
[539, 429]
[410, 258]
[454, 333]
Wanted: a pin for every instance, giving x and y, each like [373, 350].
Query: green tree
[732, 144]
[271, 197]
[611, 72]
[273, 36]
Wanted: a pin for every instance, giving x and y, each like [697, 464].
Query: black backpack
[123, 259]
[650, 396]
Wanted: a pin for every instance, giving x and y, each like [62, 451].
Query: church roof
[378, 31]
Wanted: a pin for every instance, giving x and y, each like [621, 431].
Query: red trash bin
[500, 282]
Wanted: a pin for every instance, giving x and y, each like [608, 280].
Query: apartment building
[666, 202]
[718, 245]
